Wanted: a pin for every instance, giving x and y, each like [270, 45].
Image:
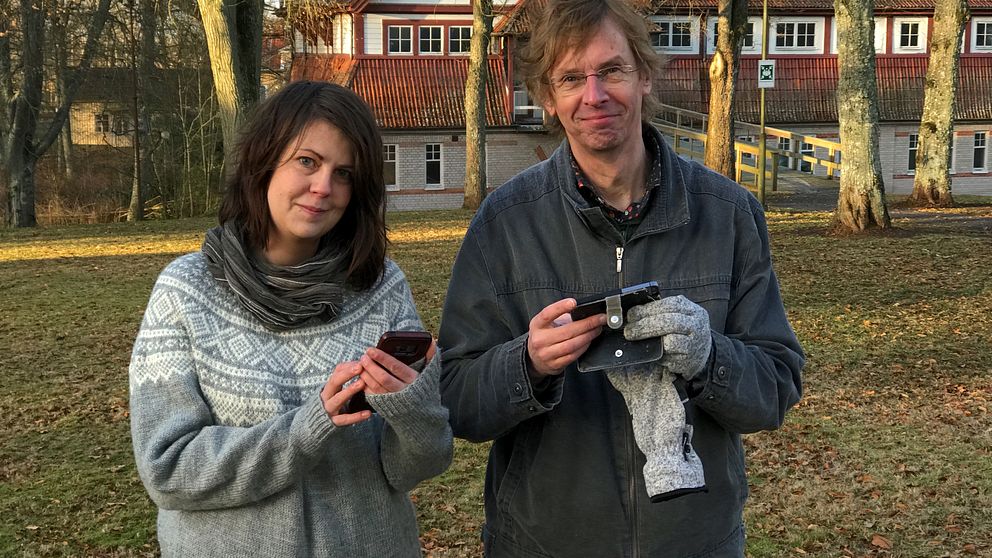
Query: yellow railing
[688, 131]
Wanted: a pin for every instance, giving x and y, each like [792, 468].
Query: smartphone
[629, 297]
[406, 346]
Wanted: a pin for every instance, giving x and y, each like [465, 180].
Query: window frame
[984, 147]
[102, 122]
[755, 48]
[389, 156]
[922, 36]
[428, 160]
[913, 145]
[466, 40]
[817, 35]
[440, 40]
[987, 23]
[390, 39]
[671, 21]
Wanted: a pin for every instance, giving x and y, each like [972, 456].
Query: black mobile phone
[628, 297]
[406, 346]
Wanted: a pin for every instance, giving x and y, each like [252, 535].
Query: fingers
[672, 315]
[554, 341]
[384, 373]
[335, 394]
[551, 312]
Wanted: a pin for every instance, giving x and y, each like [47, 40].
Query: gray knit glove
[684, 327]
[658, 416]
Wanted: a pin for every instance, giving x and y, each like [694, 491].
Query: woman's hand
[383, 373]
[334, 395]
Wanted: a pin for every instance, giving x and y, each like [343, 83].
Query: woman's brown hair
[282, 119]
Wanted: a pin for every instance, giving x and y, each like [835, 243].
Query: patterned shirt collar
[636, 209]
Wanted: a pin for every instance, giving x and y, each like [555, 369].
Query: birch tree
[932, 184]
[475, 104]
[233, 29]
[19, 150]
[861, 204]
[724, 68]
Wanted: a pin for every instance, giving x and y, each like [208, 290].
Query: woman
[238, 422]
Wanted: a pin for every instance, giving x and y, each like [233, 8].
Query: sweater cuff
[315, 421]
[404, 408]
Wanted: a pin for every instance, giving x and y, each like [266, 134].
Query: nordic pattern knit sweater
[232, 441]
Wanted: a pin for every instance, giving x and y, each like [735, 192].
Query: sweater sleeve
[416, 440]
[184, 459]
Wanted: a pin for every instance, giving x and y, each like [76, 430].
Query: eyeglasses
[568, 84]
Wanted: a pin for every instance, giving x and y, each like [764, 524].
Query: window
[784, 161]
[910, 35]
[752, 36]
[981, 35]
[389, 164]
[795, 34]
[121, 124]
[525, 110]
[672, 34]
[981, 139]
[459, 39]
[881, 34]
[430, 40]
[675, 34]
[914, 142]
[400, 41]
[433, 160]
[807, 150]
[101, 122]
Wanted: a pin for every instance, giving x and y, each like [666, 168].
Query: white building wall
[507, 153]
[375, 23]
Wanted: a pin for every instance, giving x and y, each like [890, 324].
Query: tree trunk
[233, 29]
[932, 184]
[475, 105]
[861, 204]
[20, 155]
[19, 149]
[142, 84]
[724, 67]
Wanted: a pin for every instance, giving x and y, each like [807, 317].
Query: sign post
[766, 79]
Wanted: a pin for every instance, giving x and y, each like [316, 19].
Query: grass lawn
[887, 454]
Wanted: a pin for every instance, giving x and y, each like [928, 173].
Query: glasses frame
[608, 76]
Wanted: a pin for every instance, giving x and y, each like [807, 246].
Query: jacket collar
[667, 208]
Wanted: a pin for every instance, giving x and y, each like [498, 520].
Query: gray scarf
[281, 297]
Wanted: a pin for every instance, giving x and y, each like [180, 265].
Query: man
[613, 206]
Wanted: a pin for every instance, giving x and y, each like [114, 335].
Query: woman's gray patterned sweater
[232, 441]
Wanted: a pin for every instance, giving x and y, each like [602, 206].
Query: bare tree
[475, 104]
[20, 151]
[932, 184]
[861, 204]
[724, 67]
[234, 39]
[142, 69]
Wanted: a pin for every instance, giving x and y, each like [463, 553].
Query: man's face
[599, 116]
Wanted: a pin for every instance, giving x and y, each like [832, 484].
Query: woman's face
[308, 192]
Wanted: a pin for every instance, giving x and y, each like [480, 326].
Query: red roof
[411, 92]
[516, 21]
[805, 89]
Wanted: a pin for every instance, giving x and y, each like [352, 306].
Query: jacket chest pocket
[712, 293]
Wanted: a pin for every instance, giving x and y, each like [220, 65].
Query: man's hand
[684, 328]
[554, 341]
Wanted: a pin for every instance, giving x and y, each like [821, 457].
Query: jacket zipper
[631, 457]
[620, 266]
